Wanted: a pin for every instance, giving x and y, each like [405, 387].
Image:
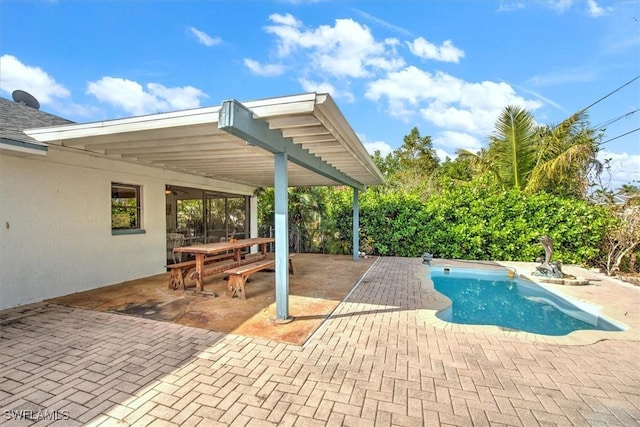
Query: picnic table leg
[176, 280]
[172, 281]
[235, 286]
[199, 272]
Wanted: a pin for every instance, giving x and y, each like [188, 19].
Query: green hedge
[474, 223]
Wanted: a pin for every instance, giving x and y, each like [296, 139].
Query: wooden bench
[180, 270]
[238, 276]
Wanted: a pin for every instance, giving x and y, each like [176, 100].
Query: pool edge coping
[582, 337]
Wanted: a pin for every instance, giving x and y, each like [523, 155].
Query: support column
[356, 225]
[282, 236]
[253, 219]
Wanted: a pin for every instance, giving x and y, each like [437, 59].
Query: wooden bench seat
[180, 270]
[238, 276]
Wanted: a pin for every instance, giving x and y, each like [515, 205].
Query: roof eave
[22, 148]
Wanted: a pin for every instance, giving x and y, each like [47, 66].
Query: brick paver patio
[375, 362]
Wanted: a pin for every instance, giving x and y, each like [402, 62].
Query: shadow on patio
[320, 283]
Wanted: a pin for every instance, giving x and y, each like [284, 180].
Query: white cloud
[446, 52]
[310, 86]
[445, 100]
[624, 168]
[205, 38]
[412, 85]
[442, 154]
[268, 70]
[287, 20]
[326, 87]
[559, 5]
[347, 49]
[594, 10]
[16, 75]
[380, 146]
[76, 112]
[334, 58]
[178, 98]
[133, 98]
[372, 146]
[386, 64]
[455, 118]
[286, 28]
[452, 141]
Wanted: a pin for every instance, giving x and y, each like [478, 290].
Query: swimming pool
[497, 297]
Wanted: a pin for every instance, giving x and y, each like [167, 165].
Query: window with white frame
[125, 207]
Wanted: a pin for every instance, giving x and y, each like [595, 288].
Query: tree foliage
[469, 222]
[311, 217]
[536, 158]
[411, 166]
[623, 238]
[495, 204]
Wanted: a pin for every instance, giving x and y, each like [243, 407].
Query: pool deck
[379, 360]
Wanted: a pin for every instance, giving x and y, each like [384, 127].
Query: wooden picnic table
[203, 250]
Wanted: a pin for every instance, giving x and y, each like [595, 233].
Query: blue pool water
[487, 297]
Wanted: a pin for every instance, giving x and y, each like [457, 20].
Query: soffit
[189, 141]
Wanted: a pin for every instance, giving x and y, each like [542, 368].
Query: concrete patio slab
[376, 361]
[316, 289]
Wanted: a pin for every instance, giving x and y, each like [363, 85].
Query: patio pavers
[377, 361]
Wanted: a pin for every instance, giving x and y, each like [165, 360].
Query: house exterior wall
[55, 223]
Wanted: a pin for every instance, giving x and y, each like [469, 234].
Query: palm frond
[512, 146]
[570, 164]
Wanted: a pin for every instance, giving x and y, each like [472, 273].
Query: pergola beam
[238, 120]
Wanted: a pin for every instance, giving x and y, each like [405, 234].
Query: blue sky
[445, 67]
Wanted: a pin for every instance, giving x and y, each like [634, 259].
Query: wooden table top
[213, 248]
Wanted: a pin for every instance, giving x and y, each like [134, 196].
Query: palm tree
[511, 153]
[566, 152]
[526, 156]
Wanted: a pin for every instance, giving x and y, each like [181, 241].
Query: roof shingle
[15, 117]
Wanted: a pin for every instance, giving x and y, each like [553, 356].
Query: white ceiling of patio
[189, 141]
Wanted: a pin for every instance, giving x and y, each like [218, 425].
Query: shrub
[475, 223]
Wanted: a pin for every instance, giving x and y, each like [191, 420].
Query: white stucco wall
[55, 224]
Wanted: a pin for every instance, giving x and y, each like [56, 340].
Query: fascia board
[296, 104]
[328, 111]
[20, 148]
[132, 124]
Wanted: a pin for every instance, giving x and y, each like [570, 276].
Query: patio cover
[300, 140]
[190, 141]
